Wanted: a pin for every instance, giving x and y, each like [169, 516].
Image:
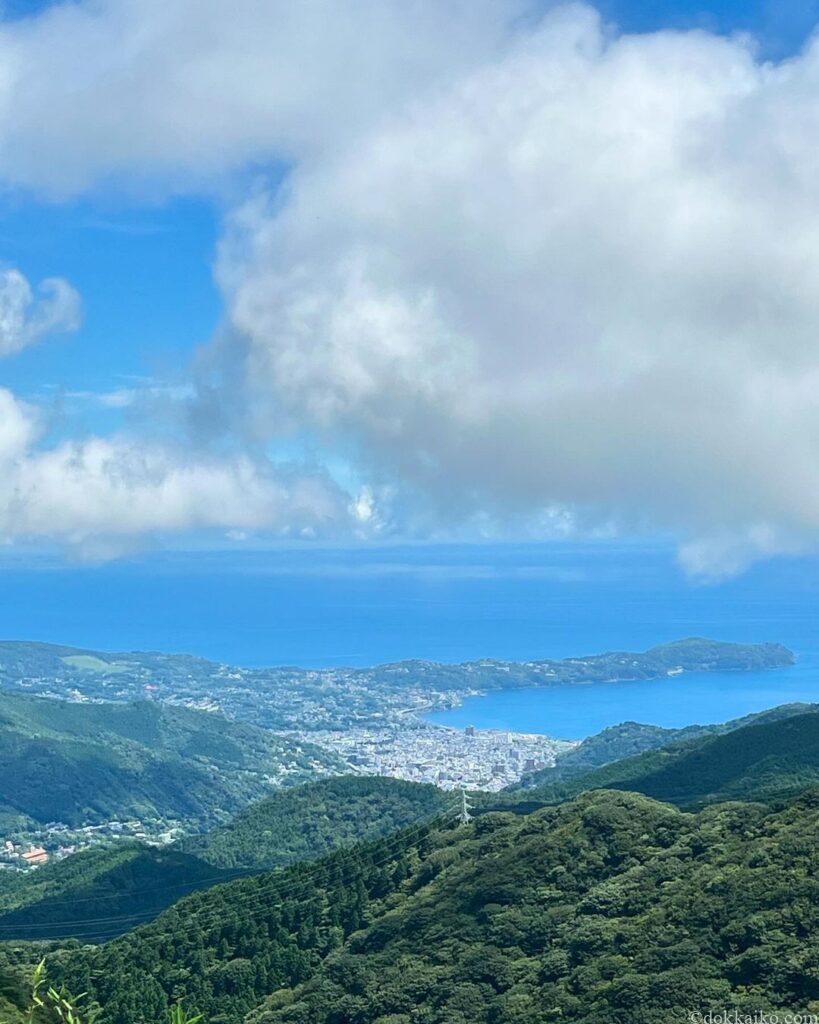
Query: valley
[313, 876]
[608, 905]
[409, 521]
[78, 774]
[367, 720]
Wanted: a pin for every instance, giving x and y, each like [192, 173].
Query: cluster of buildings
[484, 759]
[24, 855]
[24, 851]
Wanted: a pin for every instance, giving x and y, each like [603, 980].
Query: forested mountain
[307, 821]
[125, 885]
[129, 883]
[599, 908]
[763, 761]
[777, 755]
[81, 763]
[631, 738]
[605, 910]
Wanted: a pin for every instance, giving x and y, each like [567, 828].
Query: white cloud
[583, 275]
[518, 272]
[112, 491]
[720, 556]
[185, 91]
[25, 318]
[18, 428]
[146, 394]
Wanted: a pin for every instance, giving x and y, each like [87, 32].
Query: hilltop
[128, 883]
[766, 760]
[765, 757]
[628, 739]
[84, 763]
[603, 904]
[307, 821]
[609, 908]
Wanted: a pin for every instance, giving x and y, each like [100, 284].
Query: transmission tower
[464, 817]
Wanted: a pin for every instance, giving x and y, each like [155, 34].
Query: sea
[369, 605]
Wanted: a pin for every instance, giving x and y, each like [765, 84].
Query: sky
[361, 272]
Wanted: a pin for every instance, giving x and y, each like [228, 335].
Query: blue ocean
[452, 603]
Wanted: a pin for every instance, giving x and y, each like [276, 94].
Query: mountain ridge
[610, 907]
[628, 739]
[85, 763]
[765, 760]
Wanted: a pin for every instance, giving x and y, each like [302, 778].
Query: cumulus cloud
[583, 275]
[519, 271]
[26, 317]
[185, 91]
[113, 491]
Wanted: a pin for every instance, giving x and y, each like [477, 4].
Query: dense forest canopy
[607, 909]
[587, 901]
[306, 821]
[99, 892]
[766, 760]
[113, 888]
[628, 739]
[81, 763]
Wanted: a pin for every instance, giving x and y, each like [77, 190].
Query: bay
[322, 607]
[573, 712]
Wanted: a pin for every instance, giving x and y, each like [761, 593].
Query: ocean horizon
[366, 606]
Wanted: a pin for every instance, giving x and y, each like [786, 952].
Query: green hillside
[81, 763]
[765, 761]
[14, 993]
[609, 909]
[126, 885]
[307, 821]
[129, 883]
[631, 738]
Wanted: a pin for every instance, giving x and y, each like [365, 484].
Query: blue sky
[781, 26]
[144, 268]
[145, 275]
[459, 314]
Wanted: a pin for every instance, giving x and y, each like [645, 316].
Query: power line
[218, 879]
[228, 875]
[278, 886]
[260, 899]
[464, 817]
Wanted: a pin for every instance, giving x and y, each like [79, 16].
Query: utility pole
[464, 817]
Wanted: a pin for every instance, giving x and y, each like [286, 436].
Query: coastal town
[472, 759]
[362, 721]
[485, 759]
[311, 700]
